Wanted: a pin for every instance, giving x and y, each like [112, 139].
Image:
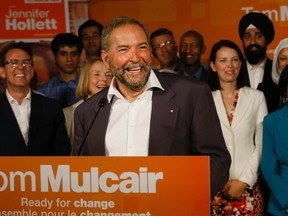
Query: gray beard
[119, 75]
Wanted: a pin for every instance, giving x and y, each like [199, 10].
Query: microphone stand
[101, 104]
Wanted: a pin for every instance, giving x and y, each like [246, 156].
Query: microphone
[101, 104]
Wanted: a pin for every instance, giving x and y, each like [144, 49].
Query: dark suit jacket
[205, 75]
[192, 129]
[268, 87]
[47, 131]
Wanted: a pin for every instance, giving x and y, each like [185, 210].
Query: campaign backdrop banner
[33, 20]
[215, 20]
[102, 186]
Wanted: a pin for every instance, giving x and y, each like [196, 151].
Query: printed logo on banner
[104, 186]
[33, 20]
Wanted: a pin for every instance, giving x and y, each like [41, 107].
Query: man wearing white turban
[280, 59]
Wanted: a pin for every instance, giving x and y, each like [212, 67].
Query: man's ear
[105, 58]
[203, 49]
[33, 72]
[2, 73]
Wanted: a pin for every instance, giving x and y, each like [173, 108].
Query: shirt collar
[12, 100]
[198, 73]
[59, 79]
[251, 67]
[153, 82]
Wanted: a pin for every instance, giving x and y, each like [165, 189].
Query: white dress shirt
[129, 122]
[22, 113]
[256, 74]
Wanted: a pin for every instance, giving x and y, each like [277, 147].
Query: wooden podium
[104, 186]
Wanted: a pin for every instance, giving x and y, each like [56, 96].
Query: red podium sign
[104, 186]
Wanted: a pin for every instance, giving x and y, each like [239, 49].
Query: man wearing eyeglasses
[165, 51]
[31, 124]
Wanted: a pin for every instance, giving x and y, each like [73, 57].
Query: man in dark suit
[256, 31]
[31, 124]
[191, 49]
[149, 113]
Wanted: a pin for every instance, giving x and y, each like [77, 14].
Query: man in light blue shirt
[66, 48]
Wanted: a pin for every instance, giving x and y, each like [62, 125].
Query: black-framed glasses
[15, 62]
[166, 43]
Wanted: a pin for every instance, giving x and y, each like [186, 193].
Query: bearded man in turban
[256, 31]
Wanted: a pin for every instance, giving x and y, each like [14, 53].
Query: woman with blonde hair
[94, 77]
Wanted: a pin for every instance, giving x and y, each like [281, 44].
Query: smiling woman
[241, 111]
[94, 77]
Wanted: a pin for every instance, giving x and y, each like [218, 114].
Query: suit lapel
[241, 107]
[245, 74]
[221, 111]
[35, 116]
[163, 118]
[100, 128]
[267, 71]
[163, 121]
[9, 120]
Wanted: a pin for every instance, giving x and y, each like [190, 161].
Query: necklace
[232, 111]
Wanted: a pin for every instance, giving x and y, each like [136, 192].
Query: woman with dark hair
[241, 111]
[274, 163]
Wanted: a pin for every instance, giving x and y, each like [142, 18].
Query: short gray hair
[115, 23]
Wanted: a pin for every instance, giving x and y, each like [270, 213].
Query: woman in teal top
[274, 163]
